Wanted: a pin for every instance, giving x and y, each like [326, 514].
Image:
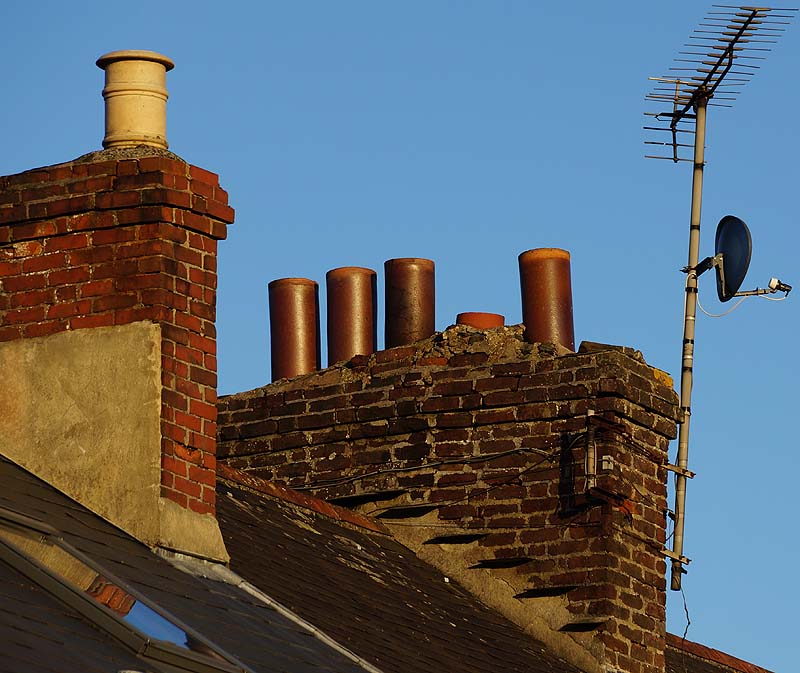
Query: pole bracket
[675, 557]
[680, 470]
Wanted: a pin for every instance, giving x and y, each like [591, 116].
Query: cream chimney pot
[136, 98]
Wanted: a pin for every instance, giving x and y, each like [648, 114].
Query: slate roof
[369, 592]
[259, 636]
[376, 597]
[338, 571]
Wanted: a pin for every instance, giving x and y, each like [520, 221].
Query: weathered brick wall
[108, 240]
[494, 432]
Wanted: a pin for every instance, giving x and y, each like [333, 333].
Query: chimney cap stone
[135, 55]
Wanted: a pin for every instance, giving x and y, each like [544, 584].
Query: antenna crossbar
[727, 38]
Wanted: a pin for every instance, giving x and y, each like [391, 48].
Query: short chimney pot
[135, 93]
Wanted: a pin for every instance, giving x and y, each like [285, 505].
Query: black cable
[686, 611]
[461, 529]
[412, 468]
[510, 478]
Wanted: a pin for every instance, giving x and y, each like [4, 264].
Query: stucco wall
[82, 410]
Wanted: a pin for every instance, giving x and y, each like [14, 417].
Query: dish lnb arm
[774, 286]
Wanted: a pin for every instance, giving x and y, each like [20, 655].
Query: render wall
[67, 401]
[115, 238]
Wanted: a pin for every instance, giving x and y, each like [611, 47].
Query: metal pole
[689, 316]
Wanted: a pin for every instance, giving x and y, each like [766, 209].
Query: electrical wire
[547, 457]
[637, 446]
[502, 482]
[653, 545]
[461, 529]
[670, 523]
[720, 315]
[633, 444]
[488, 489]
[413, 468]
[686, 612]
[736, 305]
[685, 632]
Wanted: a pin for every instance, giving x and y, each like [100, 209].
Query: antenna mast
[719, 61]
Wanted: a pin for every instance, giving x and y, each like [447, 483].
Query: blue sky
[351, 132]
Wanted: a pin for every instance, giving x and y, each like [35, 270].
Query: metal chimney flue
[135, 94]
[352, 312]
[480, 320]
[294, 327]
[410, 300]
[547, 296]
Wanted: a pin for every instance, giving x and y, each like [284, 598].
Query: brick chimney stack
[107, 338]
[533, 475]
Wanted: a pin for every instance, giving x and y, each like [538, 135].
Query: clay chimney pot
[480, 320]
[410, 300]
[294, 327]
[135, 93]
[352, 312]
[547, 296]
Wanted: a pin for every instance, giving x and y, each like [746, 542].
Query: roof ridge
[709, 653]
[287, 494]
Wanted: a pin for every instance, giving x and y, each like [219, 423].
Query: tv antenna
[722, 56]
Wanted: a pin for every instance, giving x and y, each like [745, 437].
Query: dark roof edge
[711, 654]
[274, 490]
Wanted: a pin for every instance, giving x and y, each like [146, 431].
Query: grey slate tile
[260, 637]
[369, 592]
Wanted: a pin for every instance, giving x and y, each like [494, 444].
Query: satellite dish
[733, 242]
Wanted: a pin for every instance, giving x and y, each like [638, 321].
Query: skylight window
[32, 547]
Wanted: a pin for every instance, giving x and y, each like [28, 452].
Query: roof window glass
[48, 551]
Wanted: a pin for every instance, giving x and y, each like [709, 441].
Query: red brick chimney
[107, 339]
[533, 475]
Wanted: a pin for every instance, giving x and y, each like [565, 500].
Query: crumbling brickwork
[118, 237]
[494, 435]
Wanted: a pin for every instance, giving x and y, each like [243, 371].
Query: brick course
[494, 432]
[100, 242]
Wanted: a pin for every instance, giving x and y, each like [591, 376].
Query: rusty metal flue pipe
[410, 300]
[546, 285]
[294, 327]
[352, 312]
